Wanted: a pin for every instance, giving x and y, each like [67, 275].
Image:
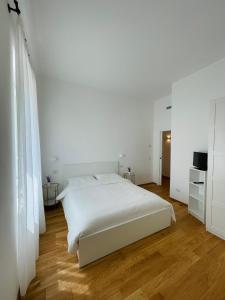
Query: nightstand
[50, 192]
[130, 176]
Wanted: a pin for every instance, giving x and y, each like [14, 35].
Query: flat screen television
[200, 160]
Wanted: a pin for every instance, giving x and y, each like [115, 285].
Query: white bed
[106, 213]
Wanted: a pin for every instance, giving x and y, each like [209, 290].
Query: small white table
[130, 176]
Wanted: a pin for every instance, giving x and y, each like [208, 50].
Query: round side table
[50, 192]
[130, 176]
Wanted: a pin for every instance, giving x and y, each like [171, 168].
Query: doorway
[165, 158]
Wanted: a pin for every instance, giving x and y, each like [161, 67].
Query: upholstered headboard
[72, 170]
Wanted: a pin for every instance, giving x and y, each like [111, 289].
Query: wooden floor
[181, 262]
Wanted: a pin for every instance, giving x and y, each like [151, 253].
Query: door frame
[210, 204]
[160, 158]
[160, 155]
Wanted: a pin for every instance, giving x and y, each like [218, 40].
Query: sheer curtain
[31, 220]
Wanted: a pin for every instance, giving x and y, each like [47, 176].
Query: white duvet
[96, 206]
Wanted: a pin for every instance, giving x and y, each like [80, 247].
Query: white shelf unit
[197, 194]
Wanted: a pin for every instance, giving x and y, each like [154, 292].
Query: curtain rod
[16, 9]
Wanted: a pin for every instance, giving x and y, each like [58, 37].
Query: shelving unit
[197, 193]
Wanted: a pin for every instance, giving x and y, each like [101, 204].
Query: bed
[106, 212]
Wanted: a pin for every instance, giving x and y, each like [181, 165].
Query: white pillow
[108, 178]
[80, 181]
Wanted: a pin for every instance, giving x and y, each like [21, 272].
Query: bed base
[95, 246]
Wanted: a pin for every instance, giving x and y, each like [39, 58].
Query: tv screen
[200, 160]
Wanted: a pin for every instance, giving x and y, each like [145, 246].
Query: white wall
[80, 124]
[8, 265]
[162, 122]
[190, 121]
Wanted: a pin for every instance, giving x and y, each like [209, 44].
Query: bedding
[93, 207]
[108, 178]
[77, 182]
[81, 180]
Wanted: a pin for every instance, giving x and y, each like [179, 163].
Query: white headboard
[72, 170]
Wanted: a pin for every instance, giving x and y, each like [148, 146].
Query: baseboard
[143, 184]
[215, 231]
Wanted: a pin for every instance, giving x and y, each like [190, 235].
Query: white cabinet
[197, 193]
[215, 217]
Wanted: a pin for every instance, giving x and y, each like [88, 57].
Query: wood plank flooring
[179, 263]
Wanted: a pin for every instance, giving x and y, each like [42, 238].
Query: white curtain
[31, 219]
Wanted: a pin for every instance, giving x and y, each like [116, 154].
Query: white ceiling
[133, 47]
